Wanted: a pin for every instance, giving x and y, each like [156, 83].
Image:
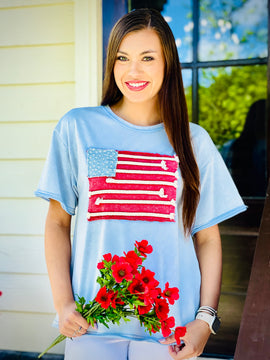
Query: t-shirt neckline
[130, 125]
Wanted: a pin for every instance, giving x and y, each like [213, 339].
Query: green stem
[56, 341]
[90, 311]
[61, 337]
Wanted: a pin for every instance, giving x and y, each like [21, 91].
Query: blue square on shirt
[101, 162]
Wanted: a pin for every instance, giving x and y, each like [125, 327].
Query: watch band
[208, 309]
[212, 320]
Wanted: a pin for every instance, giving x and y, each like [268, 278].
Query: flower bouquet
[128, 289]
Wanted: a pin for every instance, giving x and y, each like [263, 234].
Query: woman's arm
[58, 254]
[209, 253]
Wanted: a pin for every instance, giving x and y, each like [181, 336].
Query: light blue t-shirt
[123, 182]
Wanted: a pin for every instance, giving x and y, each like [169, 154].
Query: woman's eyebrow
[148, 51]
[122, 52]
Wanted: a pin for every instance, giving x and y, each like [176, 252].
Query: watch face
[216, 325]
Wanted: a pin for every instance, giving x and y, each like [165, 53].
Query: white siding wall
[43, 73]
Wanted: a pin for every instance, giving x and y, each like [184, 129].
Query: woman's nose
[135, 68]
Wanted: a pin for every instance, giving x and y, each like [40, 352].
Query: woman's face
[139, 66]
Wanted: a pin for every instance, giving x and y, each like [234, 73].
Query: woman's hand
[71, 322]
[195, 339]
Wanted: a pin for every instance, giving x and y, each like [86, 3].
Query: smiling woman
[135, 169]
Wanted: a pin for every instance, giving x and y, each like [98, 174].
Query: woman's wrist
[60, 306]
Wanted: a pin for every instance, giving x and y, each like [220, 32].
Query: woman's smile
[136, 85]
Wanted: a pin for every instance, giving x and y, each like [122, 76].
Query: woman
[142, 124]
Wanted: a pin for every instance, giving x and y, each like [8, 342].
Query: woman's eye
[148, 58]
[122, 58]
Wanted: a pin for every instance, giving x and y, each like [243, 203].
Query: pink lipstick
[136, 85]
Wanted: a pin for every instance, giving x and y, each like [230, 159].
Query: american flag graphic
[131, 185]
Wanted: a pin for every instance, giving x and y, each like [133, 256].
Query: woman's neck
[137, 113]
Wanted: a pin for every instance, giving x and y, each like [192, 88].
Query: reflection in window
[225, 96]
[179, 16]
[246, 156]
[232, 29]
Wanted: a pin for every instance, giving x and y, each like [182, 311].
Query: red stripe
[138, 218]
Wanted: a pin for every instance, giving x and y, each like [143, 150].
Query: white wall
[50, 61]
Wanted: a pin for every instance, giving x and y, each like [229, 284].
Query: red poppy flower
[107, 257]
[115, 259]
[143, 247]
[122, 270]
[180, 331]
[114, 298]
[137, 287]
[147, 277]
[144, 309]
[100, 265]
[103, 297]
[171, 294]
[166, 325]
[162, 309]
[133, 259]
[150, 295]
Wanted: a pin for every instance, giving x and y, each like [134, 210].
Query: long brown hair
[172, 102]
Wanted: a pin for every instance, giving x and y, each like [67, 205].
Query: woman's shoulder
[198, 132]
[82, 113]
[77, 120]
[200, 136]
[202, 143]
[76, 117]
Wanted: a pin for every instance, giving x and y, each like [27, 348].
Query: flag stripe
[120, 171]
[161, 164]
[151, 157]
[114, 181]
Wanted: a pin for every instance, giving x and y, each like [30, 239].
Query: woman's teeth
[137, 84]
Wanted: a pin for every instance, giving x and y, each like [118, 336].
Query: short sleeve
[219, 197]
[57, 180]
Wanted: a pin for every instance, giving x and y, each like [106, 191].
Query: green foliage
[225, 102]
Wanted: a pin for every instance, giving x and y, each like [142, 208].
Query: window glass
[178, 14]
[232, 110]
[232, 29]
